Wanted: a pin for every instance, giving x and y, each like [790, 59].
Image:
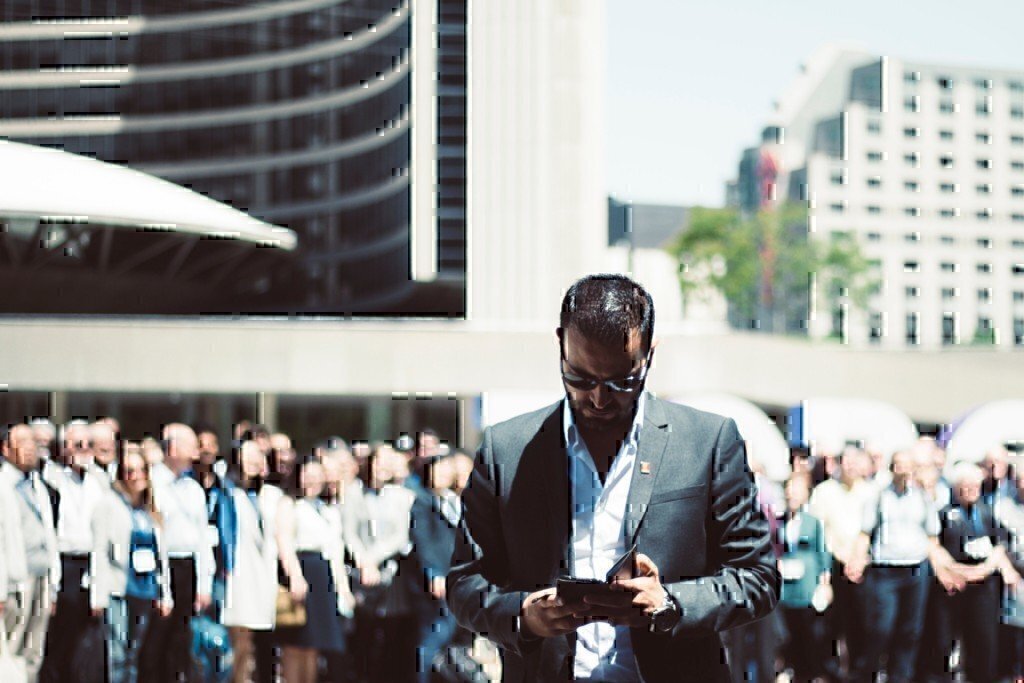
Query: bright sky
[691, 82]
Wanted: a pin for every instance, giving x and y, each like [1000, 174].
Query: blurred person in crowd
[130, 572]
[435, 516]
[29, 559]
[250, 590]
[1010, 515]
[838, 503]
[928, 478]
[997, 482]
[463, 463]
[976, 543]
[221, 511]
[153, 452]
[310, 549]
[104, 448]
[80, 489]
[182, 504]
[880, 473]
[44, 433]
[806, 569]
[898, 536]
[384, 639]
[282, 454]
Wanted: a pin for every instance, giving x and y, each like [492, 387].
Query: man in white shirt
[80, 489]
[189, 541]
[29, 565]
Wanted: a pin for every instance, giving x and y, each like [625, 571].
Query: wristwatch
[665, 617]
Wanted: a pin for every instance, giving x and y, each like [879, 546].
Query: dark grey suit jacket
[695, 515]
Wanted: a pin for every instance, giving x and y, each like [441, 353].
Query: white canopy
[765, 443]
[39, 182]
[985, 428]
[829, 423]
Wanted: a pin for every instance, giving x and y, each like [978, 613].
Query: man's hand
[854, 570]
[369, 575]
[164, 608]
[951, 577]
[437, 588]
[202, 602]
[545, 616]
[633, 600]
[297, 586]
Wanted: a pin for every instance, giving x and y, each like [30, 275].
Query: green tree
[769, 264]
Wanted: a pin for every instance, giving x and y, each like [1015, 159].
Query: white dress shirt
[603, 652]
[79, 497]
[182, 504]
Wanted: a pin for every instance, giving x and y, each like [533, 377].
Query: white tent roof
[829, 423]
[985, 428]
[765, 442]
[39, 182]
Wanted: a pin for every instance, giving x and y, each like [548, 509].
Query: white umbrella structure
[984, 428]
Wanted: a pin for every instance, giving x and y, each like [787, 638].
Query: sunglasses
[624, 385]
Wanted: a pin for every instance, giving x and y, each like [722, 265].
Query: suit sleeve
[6, 547]
[477, 590]
[746, 584]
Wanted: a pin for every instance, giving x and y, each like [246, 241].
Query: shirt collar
[571, 433]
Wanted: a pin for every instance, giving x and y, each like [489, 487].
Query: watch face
[665, 619]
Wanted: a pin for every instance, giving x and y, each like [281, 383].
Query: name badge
[792, 569]
[978, 548]
[144, 561]
[212, 537]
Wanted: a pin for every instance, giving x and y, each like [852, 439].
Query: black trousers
[973, 616]
[806, 650]
[167, 652]
[845, 618]
[69, 622]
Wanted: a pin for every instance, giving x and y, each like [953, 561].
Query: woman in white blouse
[252, 586]
[311, 552]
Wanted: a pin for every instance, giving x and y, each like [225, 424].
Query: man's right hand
[546, 616]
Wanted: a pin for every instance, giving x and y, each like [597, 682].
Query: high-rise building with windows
[300, 112]
[924, 165]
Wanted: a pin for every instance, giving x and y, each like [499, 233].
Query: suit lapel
[653, 439]
[553, 473]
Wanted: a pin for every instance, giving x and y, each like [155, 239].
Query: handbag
[289, 612]
[211, 650]
[12, 669]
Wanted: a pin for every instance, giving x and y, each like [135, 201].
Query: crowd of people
[175, 559]
[331, 566]
[902, 565]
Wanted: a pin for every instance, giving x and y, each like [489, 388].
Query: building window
[983, 138]
[947, 239]
[875, 157]
[947, 213]
[1017, 190]
[911, 185]
[945, 82]
[945, 161]
[949, 292]
[874, 237]
[982, 84]
[983, 268]
[912, 211]
[875, 327]
[874, 126]
[1017, 269]
[912, 237]
[1017, 244]
[984, 214]
[911, 132]
[1017, 165]
[1018, 331]
[1016, 86]
[983, 164]
[984, 332]
[983, 108]
[985, 295]
[1017, 217]
[913, 328]
[838, 207]
[1017, 140]
[947, 187]
[1018, 297]
[983, 188]
[945, 135]
[911, 76]
[947, 107]
[911, 267]
[838, 178]
[949, 331]
[874, 209]
[984, 242]
[912, 292]
[1017, 113]
[912, 104]
[874, 182]
[949, 267]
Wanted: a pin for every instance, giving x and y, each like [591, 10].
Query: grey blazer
[695, 514]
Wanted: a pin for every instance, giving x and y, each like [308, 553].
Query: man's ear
[654, 343]
[559, 334]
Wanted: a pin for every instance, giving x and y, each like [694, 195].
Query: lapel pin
[645, 467]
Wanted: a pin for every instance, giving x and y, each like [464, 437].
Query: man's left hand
[632, 600]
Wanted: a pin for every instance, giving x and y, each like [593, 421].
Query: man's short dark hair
[607, 308]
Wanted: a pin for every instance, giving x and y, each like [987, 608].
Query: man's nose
[600, 396]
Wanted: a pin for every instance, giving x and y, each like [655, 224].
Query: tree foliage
[769, 263]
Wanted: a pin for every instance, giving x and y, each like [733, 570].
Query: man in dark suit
[566, 489]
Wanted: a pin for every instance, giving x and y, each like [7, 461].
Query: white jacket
[20, 524]
[111, 555]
